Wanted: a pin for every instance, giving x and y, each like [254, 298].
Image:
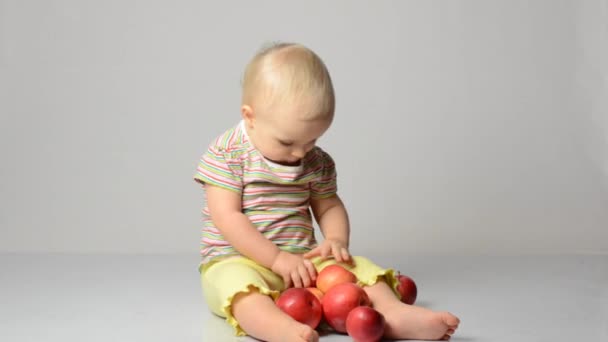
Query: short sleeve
[219, 168]
[324, 184]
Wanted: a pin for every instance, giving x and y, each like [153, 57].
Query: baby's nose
[298, 153]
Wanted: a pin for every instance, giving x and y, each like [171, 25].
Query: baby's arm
[332, 218]
[226, 213]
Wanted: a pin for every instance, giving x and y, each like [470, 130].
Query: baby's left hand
[336, 248]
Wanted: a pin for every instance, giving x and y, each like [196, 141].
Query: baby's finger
[335, 251]
[287, 281]
[304, 276]
[345, 255]
[295, 277]
[312, 253]
[312, 272]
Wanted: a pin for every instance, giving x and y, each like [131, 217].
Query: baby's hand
[294, 269]
[336, 248]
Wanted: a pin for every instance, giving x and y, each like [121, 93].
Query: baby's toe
[310, 335]
[450, 320]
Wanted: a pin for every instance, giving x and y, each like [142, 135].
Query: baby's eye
[285, 143]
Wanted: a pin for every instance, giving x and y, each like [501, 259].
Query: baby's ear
[247, 114]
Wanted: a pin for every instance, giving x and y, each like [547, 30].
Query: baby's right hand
[295, 270]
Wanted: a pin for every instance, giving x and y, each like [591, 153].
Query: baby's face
[285, 139]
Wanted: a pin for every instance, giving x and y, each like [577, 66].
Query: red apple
[316, 292]
[339, 301]
[301, 305]
[333, 275]
[407, 289]
[365, 324]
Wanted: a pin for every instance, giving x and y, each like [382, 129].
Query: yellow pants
[222, 280]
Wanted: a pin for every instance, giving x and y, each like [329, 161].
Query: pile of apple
[343, 304]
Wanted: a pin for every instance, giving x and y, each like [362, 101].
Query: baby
[262, 179]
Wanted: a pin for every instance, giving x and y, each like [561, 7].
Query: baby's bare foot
[296, 332]
[307, 334]
[413, 322]
[261, 318]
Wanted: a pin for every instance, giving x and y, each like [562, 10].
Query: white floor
[157, 298]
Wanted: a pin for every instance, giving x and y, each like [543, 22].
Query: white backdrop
[473, 127]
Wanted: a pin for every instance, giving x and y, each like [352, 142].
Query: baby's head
[288, 101]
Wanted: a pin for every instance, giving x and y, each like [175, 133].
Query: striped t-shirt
[275, 198]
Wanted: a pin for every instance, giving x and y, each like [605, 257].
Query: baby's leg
[405, 321]
[243, 292]
[260, 317]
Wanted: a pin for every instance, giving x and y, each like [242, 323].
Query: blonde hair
[287, 73]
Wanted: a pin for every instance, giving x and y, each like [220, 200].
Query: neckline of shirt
[294, 169]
